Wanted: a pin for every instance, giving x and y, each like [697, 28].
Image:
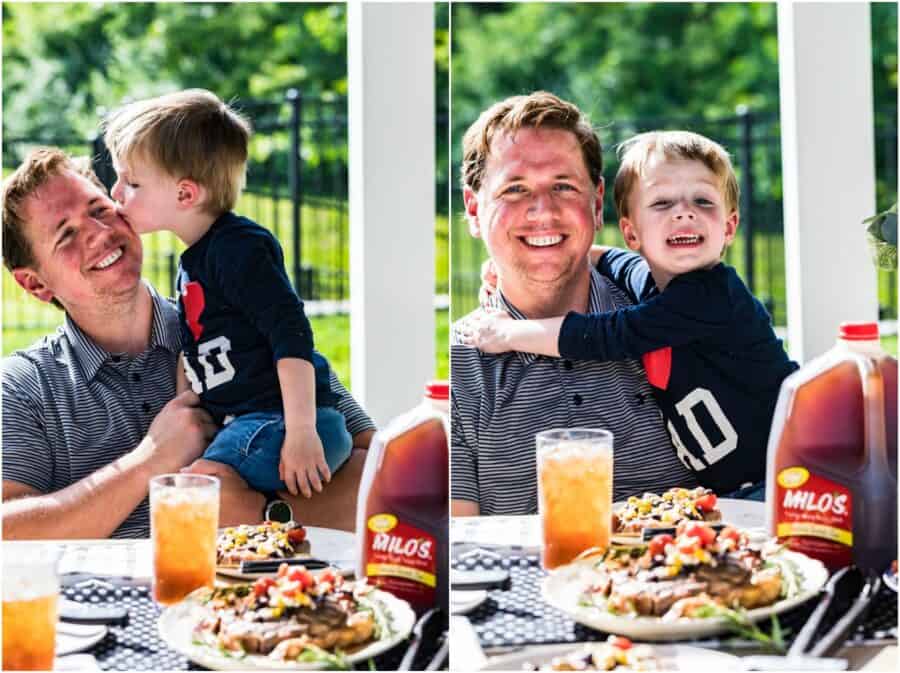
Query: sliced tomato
[730, 533]
[688, 545]
[296, 535]
[620, 642]
[704, 534]
[261, 586]
[303, 577]
[327, 576]
[657, 544]
[706, 503]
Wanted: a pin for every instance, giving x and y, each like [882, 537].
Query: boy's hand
[488, 282]
[488, 331]
[303, 467]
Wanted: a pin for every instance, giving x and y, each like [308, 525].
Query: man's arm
[96, 505]
[464, 508]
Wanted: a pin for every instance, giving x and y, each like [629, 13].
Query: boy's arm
[687, 312]
[596, 253]
[497, 332]
[302, 455]
[181, 381]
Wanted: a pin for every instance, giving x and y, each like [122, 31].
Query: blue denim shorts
[251, 444]
[756, 492]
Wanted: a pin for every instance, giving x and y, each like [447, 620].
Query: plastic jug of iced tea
[402, 512]
[832, 456]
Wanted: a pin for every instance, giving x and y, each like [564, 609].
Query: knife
[85, 613]
[271, 565]
[470, 580]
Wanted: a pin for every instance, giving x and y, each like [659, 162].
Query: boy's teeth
[543, 241]
[684, 239]
[109, 259]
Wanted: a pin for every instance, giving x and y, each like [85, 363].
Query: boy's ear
[30, 281]
[731, 225]
[190, 194]
[470, 199]
[629, 233]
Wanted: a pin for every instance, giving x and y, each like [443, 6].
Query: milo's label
[401, 558]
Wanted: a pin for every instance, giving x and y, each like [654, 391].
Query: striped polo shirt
[70, 407]
[499, 403]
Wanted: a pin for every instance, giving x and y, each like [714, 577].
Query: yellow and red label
[401, 559]
[814, 516]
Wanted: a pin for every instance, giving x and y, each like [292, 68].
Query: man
[533, 191]
[89, 415]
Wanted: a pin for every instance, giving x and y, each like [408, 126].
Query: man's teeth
[543, 241]
[684, 239]
[109, 259]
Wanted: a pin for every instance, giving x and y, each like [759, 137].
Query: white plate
[463, 602]
[71, 638]
[176, 625]
[328, 544]
[670, 658]
[748, 515]
[564, 586]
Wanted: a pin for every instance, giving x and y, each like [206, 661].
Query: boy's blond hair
[188, 135]
[635, 152]
[537, 110]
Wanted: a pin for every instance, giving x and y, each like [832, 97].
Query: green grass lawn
[332, 334]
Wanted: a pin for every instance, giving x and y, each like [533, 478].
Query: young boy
[707, 344]
[247, 344]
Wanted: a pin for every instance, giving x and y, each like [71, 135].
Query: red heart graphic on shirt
[194, 302]
[658, 365]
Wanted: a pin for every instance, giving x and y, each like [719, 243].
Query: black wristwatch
[276, 509]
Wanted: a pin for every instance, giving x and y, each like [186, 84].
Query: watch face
[279, 510]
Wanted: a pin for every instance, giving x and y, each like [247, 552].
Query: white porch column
[390, 53]
[828, 157]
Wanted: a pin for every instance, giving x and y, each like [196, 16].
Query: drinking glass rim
[598, 433]
[203, 480]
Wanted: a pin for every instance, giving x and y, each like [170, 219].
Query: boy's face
[146, 195]
[678, 218]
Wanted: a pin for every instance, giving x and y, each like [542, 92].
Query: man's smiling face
[537, 208]
[85, 254]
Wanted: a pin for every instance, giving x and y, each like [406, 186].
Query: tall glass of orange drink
[184, 517]
[30, 594]
[575, 477]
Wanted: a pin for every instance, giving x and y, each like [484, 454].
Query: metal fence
[297, 182]
[754, 141]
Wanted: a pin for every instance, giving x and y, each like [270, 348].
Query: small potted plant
[882, 234]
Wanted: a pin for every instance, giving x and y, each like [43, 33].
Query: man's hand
[488, 331]
[488, 282]
[179, 434]
[238, 503]
[302, 462]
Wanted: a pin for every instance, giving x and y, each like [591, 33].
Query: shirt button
[135, 377]
[145, 407]
[568, 365]
[577, 400]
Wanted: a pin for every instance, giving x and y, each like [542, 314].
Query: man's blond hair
[190, 135]
[635, 152]
[539, 109]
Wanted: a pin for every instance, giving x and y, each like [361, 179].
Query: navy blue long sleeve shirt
[239, 315]
[711, 356]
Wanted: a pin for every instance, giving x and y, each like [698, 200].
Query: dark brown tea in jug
[832, 455]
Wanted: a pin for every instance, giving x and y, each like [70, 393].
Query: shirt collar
[91, 357]
[599, 300]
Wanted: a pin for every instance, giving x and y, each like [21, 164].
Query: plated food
[260, 542]
[673, 507]
[683, 585]
[293, 620]
[616, 652]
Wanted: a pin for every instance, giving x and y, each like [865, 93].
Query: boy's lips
[684, 240]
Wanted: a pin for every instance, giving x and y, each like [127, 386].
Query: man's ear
[30, 281]
[598, 204]
[190, 194]
[470, 199]
[629, 233]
